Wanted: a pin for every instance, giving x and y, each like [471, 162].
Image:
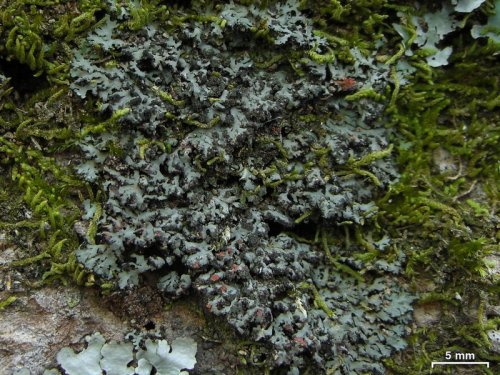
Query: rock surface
[40, 323]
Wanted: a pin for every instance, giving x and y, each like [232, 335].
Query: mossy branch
[8, 301]
[435, 205]
[27, 261]
[333, 39]
[353, 166]
[368, 174]
[366, 93]
[321, 59]
[218, 158]
[92, 230]
[372, 252]
[370, 158]
[144, 144]
[337, 265]
[392, 104]
[190, 121]
[106, 125]
[168, 98]
[302, 217]
[318, 300]
[278, 145]
[402, 46]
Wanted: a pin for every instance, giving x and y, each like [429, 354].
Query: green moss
[8, 301]
[146, 13]
[366, 93]
[38, 129]
[444, 222]
[27, 36]
[450, 233]
[318, 301]
[334, 262]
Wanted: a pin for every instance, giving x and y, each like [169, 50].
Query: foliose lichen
[141, 357]
[215, 155]
[431, 110]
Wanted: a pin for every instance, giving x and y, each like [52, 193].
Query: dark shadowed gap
[304, 230]
[178, 3]
[22, 78]
[99, 15]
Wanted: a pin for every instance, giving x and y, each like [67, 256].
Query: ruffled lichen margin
[441, 214]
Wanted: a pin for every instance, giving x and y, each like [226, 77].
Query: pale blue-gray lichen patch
[216, 151]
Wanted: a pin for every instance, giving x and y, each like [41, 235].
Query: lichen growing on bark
[250, 149]
[245, 152]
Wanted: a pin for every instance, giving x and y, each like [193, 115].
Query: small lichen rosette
[229, 141]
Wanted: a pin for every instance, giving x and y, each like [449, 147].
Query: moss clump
[446, 137]
[441, 215]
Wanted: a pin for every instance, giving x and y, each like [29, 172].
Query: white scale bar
[460, 363]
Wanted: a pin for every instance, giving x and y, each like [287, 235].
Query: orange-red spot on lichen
[346, 84]
[300, 341]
